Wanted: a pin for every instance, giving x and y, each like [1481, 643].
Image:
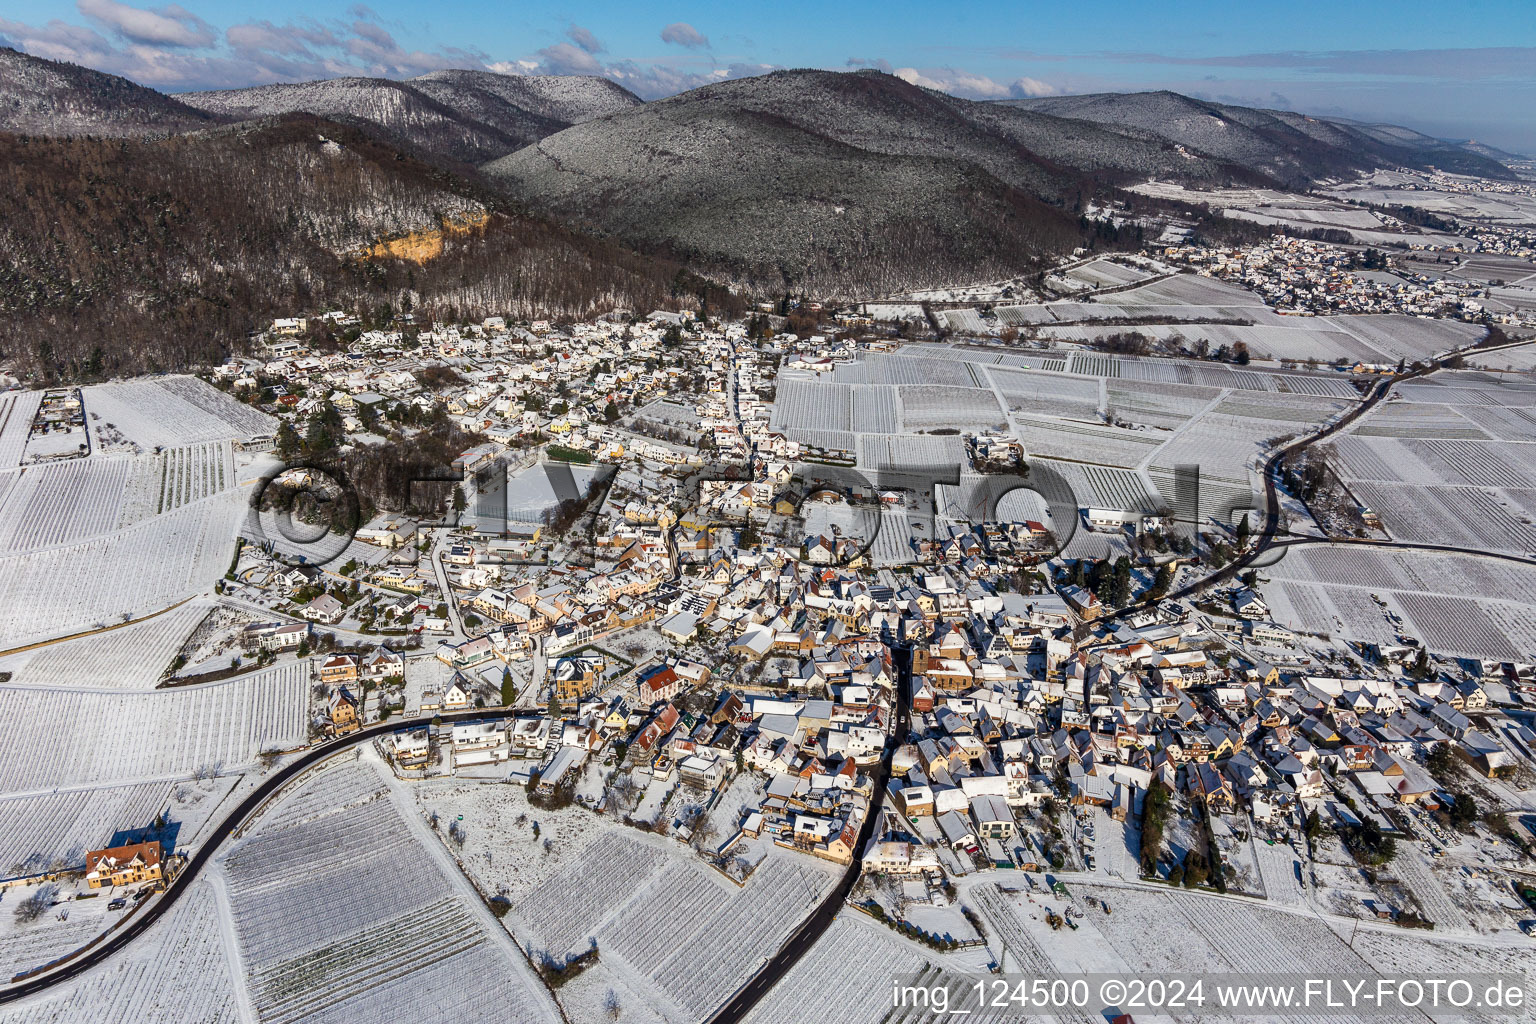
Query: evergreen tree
[288, 443]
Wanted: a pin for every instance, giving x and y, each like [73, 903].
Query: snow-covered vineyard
[344, 915]
[80, 737]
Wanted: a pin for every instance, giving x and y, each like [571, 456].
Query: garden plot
[875, 409]
[1081, 442]
[1398, 336]
[1434, 902]
[1279, 864]
[80, 737]
[58, 828]
[924, 368]
[1467, 517]
[348, 917]
[812, 405]
[62, 503]
[893, 543]
[925, 408]
[16, 411]
[712, 960]
[1020, 316]
[964, 321]
[123, 575]
[131, 658]
[1104, 273]
[843, 976]
[1047, 394]
[167, 411]
[562, 915]
[1158, 405]
[502, 853]
[178, 971]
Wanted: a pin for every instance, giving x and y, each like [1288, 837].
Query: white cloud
[683, 34]
[165, 26]
[957, 83]
[565, 59]
[1031, 87]
[584, 39]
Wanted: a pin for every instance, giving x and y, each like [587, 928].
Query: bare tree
[37, 904]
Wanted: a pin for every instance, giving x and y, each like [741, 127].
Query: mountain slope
[1292, 148]
[465, 116]
[130, 256]
[831, 180]
[570, 99]
[44, 97]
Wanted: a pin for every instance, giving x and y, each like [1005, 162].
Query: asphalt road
[146, 918]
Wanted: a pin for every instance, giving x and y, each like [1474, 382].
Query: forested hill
[125, 256]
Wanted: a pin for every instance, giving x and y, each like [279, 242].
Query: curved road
[221, 832]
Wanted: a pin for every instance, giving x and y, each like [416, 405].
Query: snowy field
[1107, 274]
[354, 915]
[1215, 935]
[61, 503]
[672, 932]
[1443, 598]
[845, 975]
[1520, 360]
[1047, 394]
[16, 411]
[94, 737]
[62, 826]
[156, 412]
[144, 568]
[179, 971]
[133, 657]
[1397, 336]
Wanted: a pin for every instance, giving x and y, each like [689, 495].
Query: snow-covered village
[987, 649]
[868, 515]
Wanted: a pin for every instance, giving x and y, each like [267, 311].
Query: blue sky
[1465, 69]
